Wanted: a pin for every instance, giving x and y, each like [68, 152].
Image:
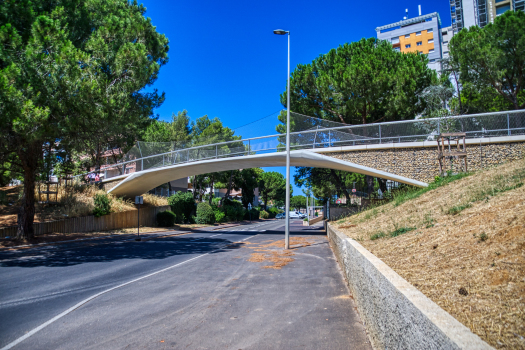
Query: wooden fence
[113, 221]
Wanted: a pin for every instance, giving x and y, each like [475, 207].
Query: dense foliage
[166, 218]
[72, 79]
[183, 205]
[491, 63]
[205, 214]
[102, 205]
[358, 83]
[272, 187]
[273, 211]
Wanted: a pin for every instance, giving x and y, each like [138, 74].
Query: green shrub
[377, 235]
[254, 212]
[219, 216]
[458, 208]
[273, 211]
[215, 201]
[233, 210]
[205, 214]
[305, 219]
[183, 205]
[102, 206]
[401, 230]
[264, 214]
[166, 218]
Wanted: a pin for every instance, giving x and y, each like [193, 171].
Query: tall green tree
[491, 61]
[178, 130]
[272, 187]
[327, 182]
[72, 75]
[361, 82]
[209, 131]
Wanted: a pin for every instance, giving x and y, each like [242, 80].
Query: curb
[124, 237]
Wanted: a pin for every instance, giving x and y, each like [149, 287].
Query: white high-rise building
[467, 13]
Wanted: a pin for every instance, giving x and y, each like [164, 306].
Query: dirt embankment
[462, 245]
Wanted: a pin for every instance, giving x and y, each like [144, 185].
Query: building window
[430, 30]
[407, 46]
[445, 42]
[430, 41]
[502, 9]
[407, 36]
[499, 1]
[419, 43]
[397, 49]
[395, 40]
[418, 33]
[432, 61]
[444, 33]
[431, 51]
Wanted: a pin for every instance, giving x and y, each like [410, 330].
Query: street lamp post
[287, 208]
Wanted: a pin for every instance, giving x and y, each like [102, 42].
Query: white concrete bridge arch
[138, 183]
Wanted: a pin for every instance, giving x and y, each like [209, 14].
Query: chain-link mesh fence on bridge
[309, 132]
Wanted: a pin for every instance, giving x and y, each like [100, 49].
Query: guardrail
[475, 126]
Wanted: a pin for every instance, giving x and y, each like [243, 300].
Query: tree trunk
[211, 188]
[339, 185]
[229, 185]
[26, 216]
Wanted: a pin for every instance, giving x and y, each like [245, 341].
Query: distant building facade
[467, 13]
[446, 34]
[418, 34]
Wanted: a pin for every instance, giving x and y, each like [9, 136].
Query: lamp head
[280, 32]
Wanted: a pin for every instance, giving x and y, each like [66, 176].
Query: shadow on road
[74, 254]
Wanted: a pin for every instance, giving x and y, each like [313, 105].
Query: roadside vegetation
[72, 201]
[461, 242]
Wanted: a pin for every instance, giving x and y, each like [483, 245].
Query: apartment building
[446, 34]
[418, 34]
[467, 13]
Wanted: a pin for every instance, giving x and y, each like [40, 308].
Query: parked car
[294, 215]
[279, 216]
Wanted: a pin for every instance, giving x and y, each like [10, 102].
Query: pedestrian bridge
[403, 151]
[141, 182]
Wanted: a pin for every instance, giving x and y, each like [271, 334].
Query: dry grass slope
[73, 201]
[463, 246]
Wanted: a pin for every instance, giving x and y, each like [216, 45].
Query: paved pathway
[203, 290]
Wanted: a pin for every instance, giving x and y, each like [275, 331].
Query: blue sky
[224, 60]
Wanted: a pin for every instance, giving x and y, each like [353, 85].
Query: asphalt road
[203, 290]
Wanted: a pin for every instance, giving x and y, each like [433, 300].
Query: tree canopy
[272, 187]
[360, 82]
[491, 62]
[178, 130]
[72, 75]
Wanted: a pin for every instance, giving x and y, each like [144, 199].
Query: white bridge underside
[141, 182]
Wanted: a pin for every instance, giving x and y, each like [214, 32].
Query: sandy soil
[463, 246]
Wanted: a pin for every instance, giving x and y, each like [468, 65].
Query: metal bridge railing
[509, 123]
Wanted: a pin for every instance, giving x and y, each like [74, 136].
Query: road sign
[354, 190]
[249, 206]
[138, 200]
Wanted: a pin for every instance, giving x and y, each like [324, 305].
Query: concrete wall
[418, 160]
[396, 314]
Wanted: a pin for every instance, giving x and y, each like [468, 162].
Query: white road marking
[73, 308]
[216, 235]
